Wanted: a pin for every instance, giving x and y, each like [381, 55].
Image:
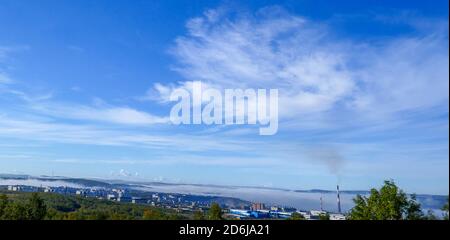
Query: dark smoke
[330, 156]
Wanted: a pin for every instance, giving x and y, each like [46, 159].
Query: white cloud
[110, 114]
[99, 111]
[27, 97]
[314, 70]
[409, 73]
[76, 89]
[161, 92]
[48, 130]
[5, 51]
[123, 173]
[276, 51]
[5, 79]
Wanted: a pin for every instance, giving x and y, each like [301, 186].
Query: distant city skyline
[363, 91]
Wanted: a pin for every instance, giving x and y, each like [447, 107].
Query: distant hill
[80, 181]
[13, 176]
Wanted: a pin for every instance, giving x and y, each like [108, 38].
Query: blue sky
[363, 91]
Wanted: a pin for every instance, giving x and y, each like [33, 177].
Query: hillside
[64, 207]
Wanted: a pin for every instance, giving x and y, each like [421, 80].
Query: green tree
[296, 216]
[35, 208]
[3, 204]
[15, 211]
[198, 215]
[215, 212]
[388, 203]
[430, 215]
[445, 209]
[325, 216]
[413, 209]
[150, 214]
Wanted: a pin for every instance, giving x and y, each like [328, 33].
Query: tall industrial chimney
[321, 203]
[338, 200]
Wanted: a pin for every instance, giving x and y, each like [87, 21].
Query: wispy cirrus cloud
[5, 79]
[406, 73]
[315, 71]
[54, 131]
[45, 104]
[272, 49]
[104, 113]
